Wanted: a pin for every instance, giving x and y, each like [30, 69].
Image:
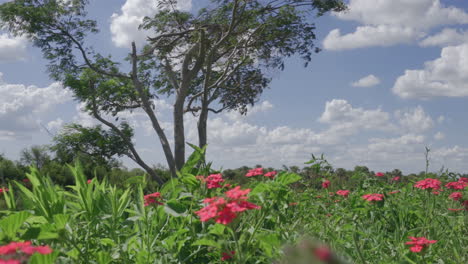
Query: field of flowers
[201, 217]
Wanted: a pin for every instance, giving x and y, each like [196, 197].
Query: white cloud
[22, 107]
[439, 136]
[370, 36]
[55, 125]
[262, 107]
[124, 26]
[441, 119]
[12, 48]
[367, 81]
[414, 120]
[390, 22]
[445, 76]
[447, 37]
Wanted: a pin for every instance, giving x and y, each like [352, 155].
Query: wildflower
[9, 261]
[270, 174]
[24, 247]
[322, 253]
[344, 193]
[379, 174]
[396, 178]
[429, 183]
[227, 256]
[373, 197]
[459, 185]
[254, 172]
[435, 192]
[456, 196]
[463, 179]
[325, 184]
[419, 243]
[4, 190]
[213, 181]
[89, 181]
[455, 209]
[225, 210]
[152, 198]
[393, 192]
[227, 185]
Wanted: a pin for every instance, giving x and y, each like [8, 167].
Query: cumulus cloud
[22, 107]
[391, 22]
[55, 125]
[447, 37]
[12, 48]
[124, 26]
[367, 81]
[369, 36]
[439, 136]
[262, 107]
[445, 76]
[414, 120]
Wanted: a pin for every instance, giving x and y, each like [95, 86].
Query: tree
[216, 57]
[37, 156]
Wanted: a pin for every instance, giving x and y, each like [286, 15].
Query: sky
[391, 79]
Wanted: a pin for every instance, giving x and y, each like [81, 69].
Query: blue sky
[392, 78]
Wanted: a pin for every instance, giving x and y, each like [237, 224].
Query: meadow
[203, 217]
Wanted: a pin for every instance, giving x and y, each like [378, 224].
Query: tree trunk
[179, 132]
[202, 125]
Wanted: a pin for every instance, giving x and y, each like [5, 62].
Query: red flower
[3, 190]
[429, 183]
[152, 198]
[373, 197]
[213, 181]
[322, 253]
[9, 261]
[26, 180]
[89, 181]
[435, 192]
[459, 185]
[457, 209]
[456, 196]
[325, 184]
[254, 172]
[225, 210]
[379, 174]
[397, 178]
[465, 203]
[227, 256]
[344, 193]
[43, 250]
[419, 243]
[24, 247]
[463, 179]
[270, 174]
[393, 192]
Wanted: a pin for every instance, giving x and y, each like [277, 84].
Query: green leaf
[175, 208]
[37, 258]
[10, 225]
[206, 242]
[217, 229]
[287, 178]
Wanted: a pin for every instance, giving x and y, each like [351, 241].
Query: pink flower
[325, 184]
[419, 243]
[379, 174]
[270, 174]
[456, 196]
[435, 192]
[459, 185]
[227, 256]
[254, 172]
[3, 190]
[322, 253]
[393, 192]
[89, 181]
[429, 183]
[344, 193]
[397, 178]
[25, 247]
[43, 250]
[463, 179]
[456, 210]
[224, 211]
[214, 180]
[152, 198]
[373, 197]
[9, 261]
